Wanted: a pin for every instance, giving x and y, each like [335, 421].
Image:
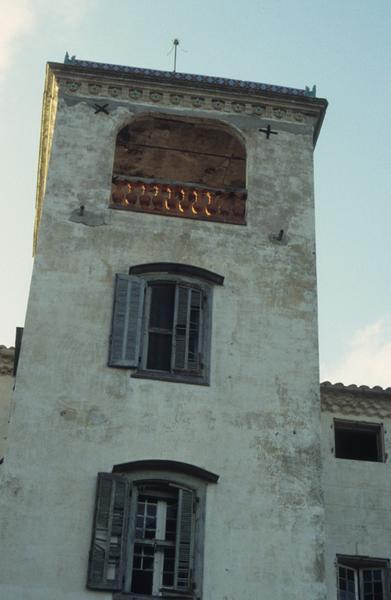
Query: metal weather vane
[175, 45]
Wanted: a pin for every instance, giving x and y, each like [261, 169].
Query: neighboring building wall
[6, 387]
[257, 424]
[357, 492]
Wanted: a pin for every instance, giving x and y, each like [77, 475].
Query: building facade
[356, 487]
[6, 387]
[165, 437]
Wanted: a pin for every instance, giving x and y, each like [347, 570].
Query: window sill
[364, 460]
[171, 596]
[173, 377]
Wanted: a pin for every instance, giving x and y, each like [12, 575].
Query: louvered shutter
[127, 321]
[106, 561]
[187, 329]
[184, 541]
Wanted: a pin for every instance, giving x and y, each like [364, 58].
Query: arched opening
[181, 168]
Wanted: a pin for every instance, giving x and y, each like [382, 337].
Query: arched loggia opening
[182, 168]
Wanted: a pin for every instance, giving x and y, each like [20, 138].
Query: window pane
[360, 442]
[171, 519]
[146, 525]
[162, 305]
[373, 584]
[194, 331]
[171, 532]
[346, 584]
[151, 523]
[148, 563]
[169, 567]
[156, 516]
[142, 582]
[159, 352]
[171, 509]
[139, 526]
[142, 573]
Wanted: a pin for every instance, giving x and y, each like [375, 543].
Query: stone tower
[164, 438]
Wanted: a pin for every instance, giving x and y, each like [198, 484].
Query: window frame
[359, 564]
[132, 540]
[134, 475]
[363, 426]
[180, 376]
[182, 276]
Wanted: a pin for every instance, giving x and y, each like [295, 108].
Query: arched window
[161, 322]
[184, 168]
[148, 530]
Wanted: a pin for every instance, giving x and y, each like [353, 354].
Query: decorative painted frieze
[135, 93]
[168, 98]
[115, 91]
[176, 99]
[72, 86]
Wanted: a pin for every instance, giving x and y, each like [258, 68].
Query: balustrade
[179, 200]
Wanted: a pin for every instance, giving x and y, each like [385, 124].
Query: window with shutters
[162, 321]
[363, 578]
[148, 535]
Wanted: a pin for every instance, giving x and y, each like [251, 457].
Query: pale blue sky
[344, 47]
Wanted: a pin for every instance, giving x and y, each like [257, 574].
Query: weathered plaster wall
[356, 493]
[6, 386]
[256, 425]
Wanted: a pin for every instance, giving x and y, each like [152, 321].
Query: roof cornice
[189, 78]
[120, 83]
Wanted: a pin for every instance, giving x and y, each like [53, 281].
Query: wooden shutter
[127, 321]
[184, 540]
[106, 561]
[186, 355]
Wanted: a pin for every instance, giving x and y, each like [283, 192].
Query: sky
[342, 46]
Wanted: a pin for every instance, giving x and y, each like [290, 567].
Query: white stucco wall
[356, 492]
[256, 425]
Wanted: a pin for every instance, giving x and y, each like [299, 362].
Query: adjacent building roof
[357, 401]
[7, 356]
[355, 389]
